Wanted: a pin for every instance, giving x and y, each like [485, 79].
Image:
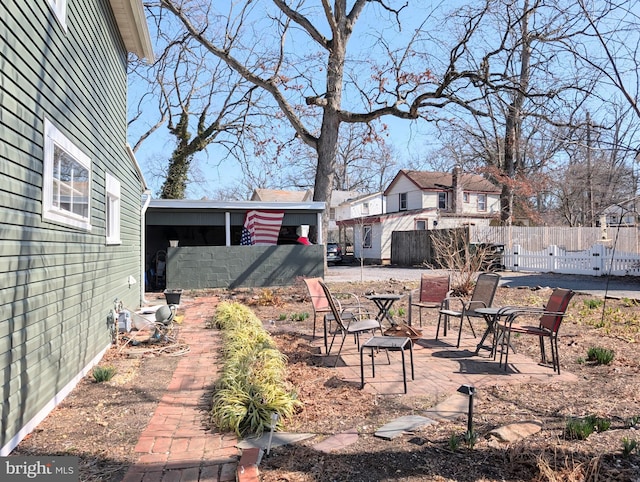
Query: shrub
[601, 356]
[581, 428]
[593, 304]
[103, 374]
[253, 385]
[454, 442]
[629, 446]
[299, 316]
[632, 421]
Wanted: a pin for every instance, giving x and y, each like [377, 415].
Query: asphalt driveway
[600, 286]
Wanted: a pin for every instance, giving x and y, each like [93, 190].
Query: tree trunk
[327, 145]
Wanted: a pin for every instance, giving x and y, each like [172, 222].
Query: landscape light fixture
[469, 390]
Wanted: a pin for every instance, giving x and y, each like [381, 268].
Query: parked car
[334, 253]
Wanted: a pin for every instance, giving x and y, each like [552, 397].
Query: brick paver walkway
[175, 445]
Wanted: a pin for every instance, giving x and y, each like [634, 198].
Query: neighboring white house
[621, 215]
[353, 208]
[417, 200]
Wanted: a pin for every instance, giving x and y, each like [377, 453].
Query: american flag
[261, 227]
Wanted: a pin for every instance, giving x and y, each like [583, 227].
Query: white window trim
[112, 209]
[53, 137]
[484, 203]
[403, 197]
[59, 7]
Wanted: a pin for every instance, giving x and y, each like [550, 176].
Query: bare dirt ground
[101, 422]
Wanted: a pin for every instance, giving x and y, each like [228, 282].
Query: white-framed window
[421, 224]
[59, 7]
[66, 189]
[442, 200]
[403, 201]
[365, 208]
[465, 197]
[482, 202]
[112, 209]
[366, 236]
[332, 214]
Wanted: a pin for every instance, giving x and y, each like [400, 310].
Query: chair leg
[313, 337]
[556, 355]
[332, 340]
[543, 355]
[471, 326]
[504, 348]
[440, 315]
[344, 336]
[460, 331]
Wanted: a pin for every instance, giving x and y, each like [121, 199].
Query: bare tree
[600, 168]
[200, 102]
[364, 163]
[297, 53]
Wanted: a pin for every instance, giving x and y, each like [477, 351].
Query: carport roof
[188, 204]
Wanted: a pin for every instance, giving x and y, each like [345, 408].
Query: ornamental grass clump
[599, 355]
[253, 383]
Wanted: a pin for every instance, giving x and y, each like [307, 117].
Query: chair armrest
[447, 302]
[347, 297]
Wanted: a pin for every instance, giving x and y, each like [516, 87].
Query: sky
[407, 138]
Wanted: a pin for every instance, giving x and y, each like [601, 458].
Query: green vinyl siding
[57, 282]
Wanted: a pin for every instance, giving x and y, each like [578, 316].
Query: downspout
[143, 244]
[146, 193]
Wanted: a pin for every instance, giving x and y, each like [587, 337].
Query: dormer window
[403, 201]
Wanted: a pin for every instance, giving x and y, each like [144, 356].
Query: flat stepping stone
[337, 441]
[278, 439]
[401, 425]
[515, 431]
[450, 409]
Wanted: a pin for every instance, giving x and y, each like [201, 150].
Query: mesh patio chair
[345, 327]
[482, 297]
[321, 307]
[433, 292]
[549, 324]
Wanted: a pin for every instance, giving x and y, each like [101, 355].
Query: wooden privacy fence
[411, 248]
[624, 238]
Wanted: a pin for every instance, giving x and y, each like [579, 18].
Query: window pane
[403, 200]
[366, 237]
[482, 202]
[71, 187]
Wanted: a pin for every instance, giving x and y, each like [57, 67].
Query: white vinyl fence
[599, 260]
[557, 249]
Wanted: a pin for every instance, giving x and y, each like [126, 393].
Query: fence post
[552, 263]
[515, 259]
[598, 261]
